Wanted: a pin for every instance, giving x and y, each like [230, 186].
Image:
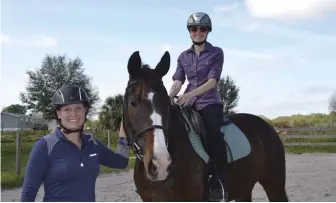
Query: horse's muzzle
[158, 170]
[152, 169]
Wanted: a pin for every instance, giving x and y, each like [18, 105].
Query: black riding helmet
[70, 94]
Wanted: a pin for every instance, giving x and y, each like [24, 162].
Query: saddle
[193, 121]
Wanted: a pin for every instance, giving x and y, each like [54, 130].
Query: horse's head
[146, 113]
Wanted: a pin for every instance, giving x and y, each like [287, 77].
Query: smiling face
[146, 115]
[198, 33]
[72, 116]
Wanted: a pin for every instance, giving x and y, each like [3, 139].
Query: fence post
[18, 149]
[108, 139]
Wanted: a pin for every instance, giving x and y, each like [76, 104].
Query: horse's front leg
[145, 196]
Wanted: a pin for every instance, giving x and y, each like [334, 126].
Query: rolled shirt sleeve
[179, 73]
[217, 66]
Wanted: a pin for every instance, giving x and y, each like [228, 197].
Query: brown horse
[172, 163]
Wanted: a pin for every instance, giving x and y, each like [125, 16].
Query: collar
[84, 137]
[60, 134]
[207, 47]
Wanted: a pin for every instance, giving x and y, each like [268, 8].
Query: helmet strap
[67, 130]
[199, 43]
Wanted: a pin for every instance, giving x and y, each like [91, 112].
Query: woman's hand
[121, 130]
[184, 99]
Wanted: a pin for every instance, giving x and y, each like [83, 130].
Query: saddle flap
[194, 121]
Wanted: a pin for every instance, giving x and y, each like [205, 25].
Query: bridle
[132, 134]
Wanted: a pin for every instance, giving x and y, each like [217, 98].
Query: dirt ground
[310, 177]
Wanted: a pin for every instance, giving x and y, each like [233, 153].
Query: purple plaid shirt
[198, 69]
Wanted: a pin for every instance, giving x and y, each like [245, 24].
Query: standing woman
[202, 64]
[67, 161]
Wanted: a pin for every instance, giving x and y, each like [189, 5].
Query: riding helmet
[70, 94]
[199, 19]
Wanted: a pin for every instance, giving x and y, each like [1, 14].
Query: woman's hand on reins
[184, 99]
[172, 100]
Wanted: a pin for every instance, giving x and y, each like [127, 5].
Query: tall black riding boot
[213, 119]
[220, 185]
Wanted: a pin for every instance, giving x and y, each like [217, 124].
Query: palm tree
[111, 113]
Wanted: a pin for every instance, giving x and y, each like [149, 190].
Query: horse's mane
[145, 66]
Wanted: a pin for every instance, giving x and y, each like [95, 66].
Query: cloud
[227, 8]
[4, 38]
[282, 31]
[290, 9]
[303, 101]
[261, 14]
[311, 93]
[255, 63]
[291, 106]
[248, 54]
[42, 41]
[249, 25]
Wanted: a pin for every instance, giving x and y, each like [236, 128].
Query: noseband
[132, 134]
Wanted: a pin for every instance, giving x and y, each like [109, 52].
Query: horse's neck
[180, 147]
[177, 130]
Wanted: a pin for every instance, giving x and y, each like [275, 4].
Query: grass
[310, 149]
[308, 140]
[9, 178]
[325, 132]
[299, 149]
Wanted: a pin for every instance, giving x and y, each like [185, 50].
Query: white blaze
[160, 149]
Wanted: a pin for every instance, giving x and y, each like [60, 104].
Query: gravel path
[310, 177]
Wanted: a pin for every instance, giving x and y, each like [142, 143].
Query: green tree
[304, 121]
[15, 108]
[55, 72]
[282, 122]
[111, 112]
[332, 103]
[229, 93]
[92, 125]
[269, 121]
[333, 118]
[332, 107]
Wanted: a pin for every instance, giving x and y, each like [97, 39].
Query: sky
[280, 53]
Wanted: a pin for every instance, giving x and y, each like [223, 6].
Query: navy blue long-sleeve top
[68, 172]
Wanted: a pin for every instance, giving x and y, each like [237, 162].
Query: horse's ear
[163, 66]
[134, 64]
